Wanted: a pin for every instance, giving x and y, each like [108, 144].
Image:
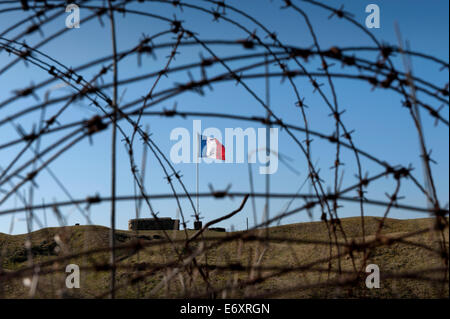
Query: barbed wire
[189, 255]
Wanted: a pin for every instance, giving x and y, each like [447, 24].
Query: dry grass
[395, 258]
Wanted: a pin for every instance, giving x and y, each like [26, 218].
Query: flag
[211, 148]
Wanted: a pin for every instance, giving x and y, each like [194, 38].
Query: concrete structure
[154, 224]
[220, 229]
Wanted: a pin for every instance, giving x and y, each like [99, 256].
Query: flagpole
[197, 173]
[268, 150]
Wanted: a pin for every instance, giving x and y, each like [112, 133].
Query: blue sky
[382, 127]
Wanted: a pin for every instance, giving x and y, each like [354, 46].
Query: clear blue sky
[382, 126]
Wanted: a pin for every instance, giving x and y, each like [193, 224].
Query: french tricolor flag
[211, 148]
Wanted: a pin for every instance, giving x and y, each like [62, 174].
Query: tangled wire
[27, 160]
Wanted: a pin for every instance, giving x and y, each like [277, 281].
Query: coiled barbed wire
[125, 120]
